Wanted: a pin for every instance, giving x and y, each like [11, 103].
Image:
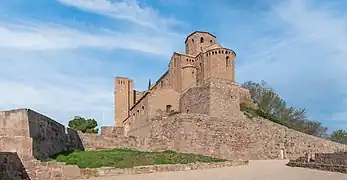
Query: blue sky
[59, 57]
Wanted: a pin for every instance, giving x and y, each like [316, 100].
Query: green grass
[122, 158]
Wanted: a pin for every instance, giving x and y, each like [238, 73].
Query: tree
[274, 106]
[84, 125]
[339, 136]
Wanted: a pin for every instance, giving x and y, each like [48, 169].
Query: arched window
[201, 40]
[211, 41]
[193, 40]
[227, 61]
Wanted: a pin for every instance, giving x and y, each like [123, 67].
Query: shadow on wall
[50, 137]
[11, 167]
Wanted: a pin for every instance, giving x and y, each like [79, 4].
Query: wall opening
[201, 40]
[227, 61]
[211, 41]
[143, 110]
[187, 110]
[168, 108]
[193, 40]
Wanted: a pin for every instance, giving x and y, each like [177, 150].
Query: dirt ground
[256, 170]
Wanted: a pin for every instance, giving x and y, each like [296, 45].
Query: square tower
[123, 99]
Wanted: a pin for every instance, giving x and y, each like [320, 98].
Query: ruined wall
[32, 133]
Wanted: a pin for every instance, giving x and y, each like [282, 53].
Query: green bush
[124, 158]
[250, 113]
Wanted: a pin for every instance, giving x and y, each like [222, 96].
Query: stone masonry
[336, 162]
[27, 136]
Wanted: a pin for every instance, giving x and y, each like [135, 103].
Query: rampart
[30, 133]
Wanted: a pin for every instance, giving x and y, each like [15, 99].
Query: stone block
[71, 171]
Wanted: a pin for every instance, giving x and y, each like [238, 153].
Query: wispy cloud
[306, 63]
[129, 10]
[36, 36]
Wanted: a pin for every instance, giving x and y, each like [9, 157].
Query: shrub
[125, 158]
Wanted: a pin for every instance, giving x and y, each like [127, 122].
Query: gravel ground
[256, 170]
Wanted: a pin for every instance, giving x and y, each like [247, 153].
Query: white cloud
[46, 66]
[128, 10]
[307, 62]
[30, 37]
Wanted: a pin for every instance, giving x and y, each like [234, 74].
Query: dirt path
[256, 170]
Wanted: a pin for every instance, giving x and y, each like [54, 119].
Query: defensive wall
[35, 134]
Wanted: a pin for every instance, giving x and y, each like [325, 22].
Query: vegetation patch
[124, 158]
[251, 113]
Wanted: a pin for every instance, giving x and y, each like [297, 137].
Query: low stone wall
[335, 162]
[110, 171]
[94, 141]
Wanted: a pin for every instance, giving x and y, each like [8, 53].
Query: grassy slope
[121, 158]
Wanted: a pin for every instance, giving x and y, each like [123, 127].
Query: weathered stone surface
[32, 133]
[336, 162]
[109, 171]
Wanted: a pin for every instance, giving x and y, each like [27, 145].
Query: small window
[227, 61]
[201, 40]
[211, 41]
[187, 110]
[193, 40]
[168, 108]
[143, 110]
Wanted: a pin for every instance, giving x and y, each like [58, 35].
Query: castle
[204, 61]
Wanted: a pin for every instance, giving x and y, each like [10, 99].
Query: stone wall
[195, 100]
[215, 97]
[110, 171]
[31, 133]
[11, 167]
[336, 162]
[233, 138]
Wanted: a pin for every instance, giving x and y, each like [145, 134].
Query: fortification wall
[234, 138]
[34, 134]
